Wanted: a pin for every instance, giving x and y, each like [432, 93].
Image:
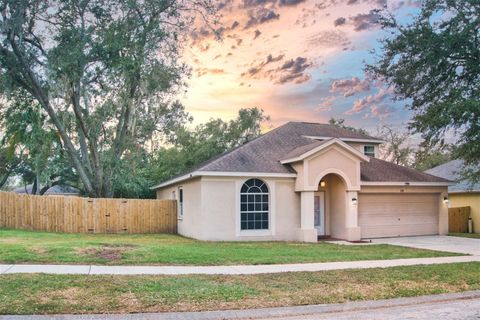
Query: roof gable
[306, 151]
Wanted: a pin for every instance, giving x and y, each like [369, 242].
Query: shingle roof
[264, 154]
[451, 170]
[380, 171]
[305, 148]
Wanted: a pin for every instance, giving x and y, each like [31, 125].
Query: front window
[254, 205]
[369, 151]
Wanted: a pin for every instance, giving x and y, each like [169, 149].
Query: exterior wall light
[445, 200]
[354, 201]
[323, 183]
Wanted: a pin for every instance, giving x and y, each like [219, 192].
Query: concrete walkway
[437, 243]
[452, 306]
[226, 270]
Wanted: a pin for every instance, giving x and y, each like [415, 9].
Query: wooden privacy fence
[458, 219]
[86, 215]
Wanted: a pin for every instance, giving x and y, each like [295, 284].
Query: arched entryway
[330, 206]
[338, 165]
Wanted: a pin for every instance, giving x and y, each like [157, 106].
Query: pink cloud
[349, 87]
[369, 101]
[381, 111]
[326, 104]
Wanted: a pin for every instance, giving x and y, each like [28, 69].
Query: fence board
[458, 219]
[85, 215]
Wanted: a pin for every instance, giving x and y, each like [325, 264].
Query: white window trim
[180, 205]
[271, 214]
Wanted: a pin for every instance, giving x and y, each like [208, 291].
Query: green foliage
[133, 178]
[32, 145]
[105, 72]
[191, 147]
[427, 157]
[434, 62]
[341, 124]
[8, 163]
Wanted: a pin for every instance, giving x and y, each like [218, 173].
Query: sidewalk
[399, 308]
[225, 270]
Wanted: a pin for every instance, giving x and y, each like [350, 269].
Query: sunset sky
[296, 59]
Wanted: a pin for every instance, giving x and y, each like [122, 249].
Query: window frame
[369, 154]
[248, 203]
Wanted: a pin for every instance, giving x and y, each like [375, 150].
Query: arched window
[254, 205]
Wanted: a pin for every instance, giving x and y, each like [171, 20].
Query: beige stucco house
[305, 180]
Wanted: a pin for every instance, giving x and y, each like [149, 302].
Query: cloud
[380, 112]
[382, 3]
[271, 58]
[224, 4]
[204, 71]
[257, 34]
[234, 25]
[369, 101]
[293, 71]
[326, 104]
[349, 87]
[401, 4]
[255, 3]
[339, 21]
[329, 39]
[259, 16]
[200, 34]
[365, 21]
[290, 2]
[254, 70]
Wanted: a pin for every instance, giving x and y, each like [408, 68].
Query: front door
[319, 212]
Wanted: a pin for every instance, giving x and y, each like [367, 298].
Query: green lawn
[160, 249]
[466, 235]
[43, 294]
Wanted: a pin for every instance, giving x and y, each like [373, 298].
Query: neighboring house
[53, 191]
[304, 180]
[462, 193]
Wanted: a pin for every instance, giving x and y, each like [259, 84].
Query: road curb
[265, 312]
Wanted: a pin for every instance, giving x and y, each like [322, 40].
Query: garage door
[392, 215]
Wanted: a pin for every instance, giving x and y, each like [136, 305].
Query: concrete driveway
[439, 243]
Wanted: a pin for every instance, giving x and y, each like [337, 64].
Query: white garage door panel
[391, 215]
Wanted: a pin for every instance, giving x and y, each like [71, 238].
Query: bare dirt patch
[110, 252]
[39, 250]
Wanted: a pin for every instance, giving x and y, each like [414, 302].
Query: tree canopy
[433, 62]
[104, 72]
